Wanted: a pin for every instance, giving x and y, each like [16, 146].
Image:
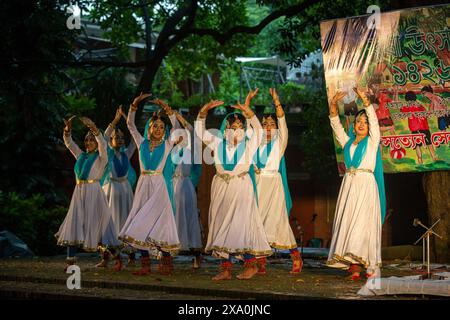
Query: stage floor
[43, 277]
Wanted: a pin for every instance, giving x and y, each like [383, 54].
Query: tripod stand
[426, 243]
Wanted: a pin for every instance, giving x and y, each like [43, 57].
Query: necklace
[155, 143]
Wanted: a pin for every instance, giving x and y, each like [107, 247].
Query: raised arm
[338, 129]
[281, 119]
[256, 137]
[374, 128]
[137, 137]
[72, 146]
[113, 124]
[67, 136]
[200, 124]
[103, 153]
[131, 118]
[102, 150]
[257, 132]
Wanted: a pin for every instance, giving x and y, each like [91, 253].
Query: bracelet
[133, 107]
[112, 125]
[66, 133]
[95, 133]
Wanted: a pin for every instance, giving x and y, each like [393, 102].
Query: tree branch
[223, 37]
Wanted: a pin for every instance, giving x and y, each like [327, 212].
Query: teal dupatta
[151, 160]
[121, 165]
[261, 163]
[228, 164]
[84, 163]
[354, 162]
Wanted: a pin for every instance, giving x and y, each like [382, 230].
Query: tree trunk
[436, 185]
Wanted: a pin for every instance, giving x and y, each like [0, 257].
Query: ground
[43, 277]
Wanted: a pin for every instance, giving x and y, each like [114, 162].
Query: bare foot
[248, 273]
[224, 275]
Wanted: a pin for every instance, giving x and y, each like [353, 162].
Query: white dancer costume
[271, 197]
[186, 213]
[357, 223]
[151, 223]
[88, 222]
[118, 190]
[235, 225]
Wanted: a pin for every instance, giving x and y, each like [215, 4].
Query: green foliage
[97, 95]
[30, 220]
[316, 141]
[228, 89]
[79, 104]
[31, 103]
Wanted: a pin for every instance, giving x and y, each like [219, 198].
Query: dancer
[361, 203]
[151, 226]
[88, 223]
[119, 177]
[185, 179]
[235, 226]
[274, 199]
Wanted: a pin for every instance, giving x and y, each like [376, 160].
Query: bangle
[66, 133]
[112, 125]
[96, 132]
[133, 107]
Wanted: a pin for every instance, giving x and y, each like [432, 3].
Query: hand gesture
[163, 105]
[363, 96]
[246, 110]
[181, 119]
[90, 124]
[118, 115]
[275, 98]
[68, 124]
[208, 106]
[139, 99]
[251, 94]
[333, 103]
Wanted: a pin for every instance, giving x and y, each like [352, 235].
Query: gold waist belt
[352, 171]
[177, 175]
[227, 177]
[87, 181]
[121, 179]
[151, 172]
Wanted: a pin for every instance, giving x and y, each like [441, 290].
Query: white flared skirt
[272, 207]
[357, 223]
[235, 225]
[151, 223]
[186, 214]
[119, 195]
[88, 222]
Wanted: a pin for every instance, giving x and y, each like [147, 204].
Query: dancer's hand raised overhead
[68, 125]
[334, 101]
[138, 100]
[90, 124]
[363, 96]
[208, 106]
[163, 105]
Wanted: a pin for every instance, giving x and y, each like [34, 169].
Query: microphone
[416, 222]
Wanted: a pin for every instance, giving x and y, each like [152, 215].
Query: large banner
[402, 59]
